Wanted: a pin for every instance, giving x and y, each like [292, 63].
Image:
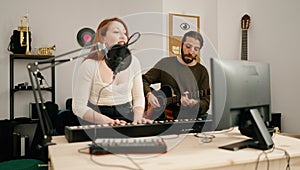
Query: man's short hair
[193, 34]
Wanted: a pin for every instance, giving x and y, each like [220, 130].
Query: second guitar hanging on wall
[245, 24]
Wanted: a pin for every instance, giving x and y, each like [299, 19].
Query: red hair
[101, 32]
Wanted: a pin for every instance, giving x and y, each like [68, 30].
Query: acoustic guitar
[167, 99]
[165, 96]
[245, 24]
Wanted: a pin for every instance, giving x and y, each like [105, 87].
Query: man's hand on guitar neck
[186, 101]
[152, 100]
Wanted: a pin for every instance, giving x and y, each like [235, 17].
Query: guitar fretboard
[176, 99]
[244, 49]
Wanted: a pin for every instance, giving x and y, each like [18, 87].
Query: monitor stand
[249, 143]
[259, 133]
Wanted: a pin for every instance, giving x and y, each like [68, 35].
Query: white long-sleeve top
[88, 84]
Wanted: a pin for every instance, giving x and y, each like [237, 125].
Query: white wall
[229, 27]
[273, 38]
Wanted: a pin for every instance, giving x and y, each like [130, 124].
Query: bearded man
[185, 89]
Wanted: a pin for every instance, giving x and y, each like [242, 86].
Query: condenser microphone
[118, 57]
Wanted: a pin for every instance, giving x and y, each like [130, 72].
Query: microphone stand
[33, 71]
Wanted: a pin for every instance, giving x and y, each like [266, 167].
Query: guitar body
[165, 97]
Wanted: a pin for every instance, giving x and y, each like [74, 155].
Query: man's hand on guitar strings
[153, 100]
[186, 101]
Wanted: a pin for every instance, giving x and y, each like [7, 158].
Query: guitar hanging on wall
[245, 24]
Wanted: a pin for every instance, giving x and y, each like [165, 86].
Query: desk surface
[184, 152]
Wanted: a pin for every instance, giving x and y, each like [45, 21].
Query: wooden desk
[184, 152]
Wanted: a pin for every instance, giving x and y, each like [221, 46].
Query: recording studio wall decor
[85, 36]
[179, 24]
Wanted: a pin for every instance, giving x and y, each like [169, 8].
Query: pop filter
[118, 57]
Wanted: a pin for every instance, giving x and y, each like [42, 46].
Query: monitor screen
[241, 97]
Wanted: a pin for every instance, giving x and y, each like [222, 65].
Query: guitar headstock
[245, 22]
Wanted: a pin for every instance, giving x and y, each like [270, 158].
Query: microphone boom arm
[34, 69]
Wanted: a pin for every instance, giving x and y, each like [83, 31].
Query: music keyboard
[128, 145]
[158, 128]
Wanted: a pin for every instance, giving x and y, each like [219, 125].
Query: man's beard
[188, 58]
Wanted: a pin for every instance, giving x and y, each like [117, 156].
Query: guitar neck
[244, 50]
[173, 100]
[176, 98]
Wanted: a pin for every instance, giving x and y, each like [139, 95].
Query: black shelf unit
[12, 88]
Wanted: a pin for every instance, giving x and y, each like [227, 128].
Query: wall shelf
[12, 86]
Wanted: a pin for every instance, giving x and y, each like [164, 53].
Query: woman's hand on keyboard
[117, 122]
[142, 121]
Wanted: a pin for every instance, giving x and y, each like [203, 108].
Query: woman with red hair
[101, 96]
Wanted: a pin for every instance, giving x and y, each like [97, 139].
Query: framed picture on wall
[179, 24]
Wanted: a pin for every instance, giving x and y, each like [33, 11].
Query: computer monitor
[241, 97]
